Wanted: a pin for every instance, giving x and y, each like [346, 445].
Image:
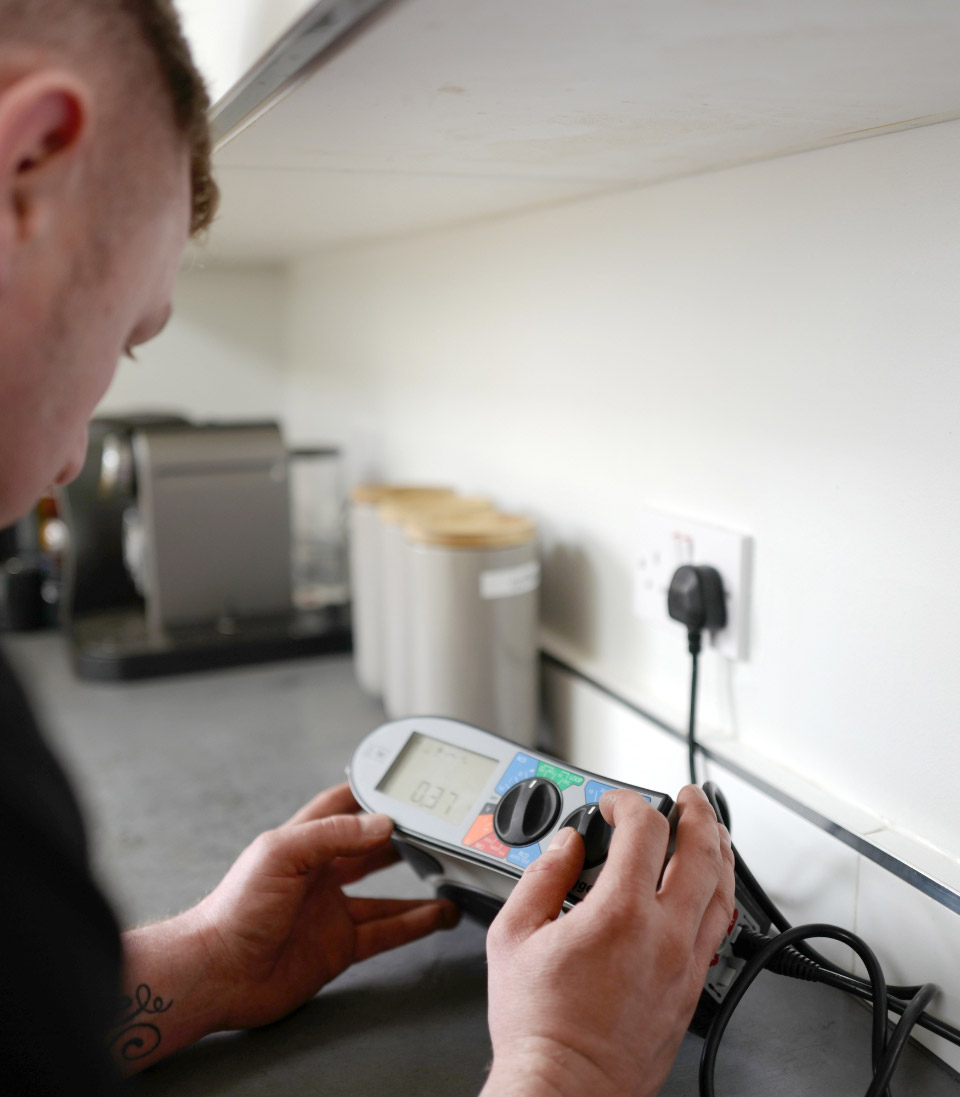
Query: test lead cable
[829, 974]
[789, 953]
[761, 960]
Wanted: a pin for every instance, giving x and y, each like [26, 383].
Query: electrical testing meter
[471, 810]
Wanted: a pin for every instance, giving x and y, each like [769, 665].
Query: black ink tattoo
[136, 1039]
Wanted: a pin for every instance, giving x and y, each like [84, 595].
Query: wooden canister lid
[375, 493]
[368, 493]
[453, 506]
[477, 531]
[395, 506]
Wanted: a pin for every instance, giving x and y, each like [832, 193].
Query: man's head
[104, 173]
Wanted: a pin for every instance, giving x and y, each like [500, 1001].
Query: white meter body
[472, 810]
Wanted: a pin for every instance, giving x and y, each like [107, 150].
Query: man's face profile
[88, 259]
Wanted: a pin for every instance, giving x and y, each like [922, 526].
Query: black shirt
[60, 967]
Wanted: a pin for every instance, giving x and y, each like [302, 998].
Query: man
[104, 174]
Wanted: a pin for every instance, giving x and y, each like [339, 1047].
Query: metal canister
[396, 607]
[365, 575]
[474, 586]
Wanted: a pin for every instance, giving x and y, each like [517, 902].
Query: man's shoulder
[34, 790]
[62, 968]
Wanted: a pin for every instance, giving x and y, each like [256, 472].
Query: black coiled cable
[789, 953]
[898, 997]
[711, 1045]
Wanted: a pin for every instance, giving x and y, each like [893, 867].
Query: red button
[482, 826]
[492, 845]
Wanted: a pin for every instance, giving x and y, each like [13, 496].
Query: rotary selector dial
[527, 811]
[595, 831]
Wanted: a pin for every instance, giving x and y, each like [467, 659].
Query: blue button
[594, 790]
[524, 855]
[522, 767]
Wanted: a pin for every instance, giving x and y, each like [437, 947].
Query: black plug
[695, 599]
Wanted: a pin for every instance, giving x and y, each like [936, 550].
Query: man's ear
[44, 125]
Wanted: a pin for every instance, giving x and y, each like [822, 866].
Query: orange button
[492, 845]
[482, 826]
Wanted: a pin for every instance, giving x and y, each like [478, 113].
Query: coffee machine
[179, 551]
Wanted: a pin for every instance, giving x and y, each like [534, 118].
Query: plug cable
[830, 974]
[692, 745]
[885, 1054]
[695, 598]
[767, 953]
[788, 953]
[779, 955]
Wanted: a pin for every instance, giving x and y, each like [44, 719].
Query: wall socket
[664, 542]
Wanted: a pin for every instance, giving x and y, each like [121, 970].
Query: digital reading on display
[436, 777]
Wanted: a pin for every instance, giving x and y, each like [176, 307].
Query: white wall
[773, 348]
[219, 357]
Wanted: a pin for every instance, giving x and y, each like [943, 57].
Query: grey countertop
[178, 774]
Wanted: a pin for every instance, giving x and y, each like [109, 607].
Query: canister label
[510, 582]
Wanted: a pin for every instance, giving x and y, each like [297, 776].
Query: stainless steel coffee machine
[179, 551]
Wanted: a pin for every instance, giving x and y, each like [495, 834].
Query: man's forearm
[545, 1069]
[168, 999]
[506, 1082]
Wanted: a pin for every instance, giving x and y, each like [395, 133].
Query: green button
[562, 778]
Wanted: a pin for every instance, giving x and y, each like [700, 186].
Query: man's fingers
[719, 912]
[363, 909]
[698, 864]
[538, 896]
[638, 847]
[332, 801]
[388, 923]
[350, 869]
[300, 849]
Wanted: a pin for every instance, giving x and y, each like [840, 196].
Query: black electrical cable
[791, 962]
[898, 1041]
[718, 802]
[781, 955]
[692, 728]
[695, 598]
[770, 909]
[752, 969]
[898, 997]
[908, 1001]
[897, 1002]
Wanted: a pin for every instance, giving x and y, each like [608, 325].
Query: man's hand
[273, 932]
[598, 1001]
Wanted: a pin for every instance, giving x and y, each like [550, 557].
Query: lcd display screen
[437, 777]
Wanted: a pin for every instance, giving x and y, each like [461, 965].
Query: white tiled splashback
[810, 874]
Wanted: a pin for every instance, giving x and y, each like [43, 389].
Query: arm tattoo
[136, 1037]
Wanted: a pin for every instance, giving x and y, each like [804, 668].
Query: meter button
[522, 767]
[596, 833]
[527, 812]
[492, 845]
[524, 855]
[595, 790]
[479, 828]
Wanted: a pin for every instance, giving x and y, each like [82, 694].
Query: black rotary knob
[527, 811]
[595, 830]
